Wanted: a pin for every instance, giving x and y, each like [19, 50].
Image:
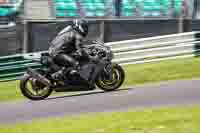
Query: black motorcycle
[96, 69]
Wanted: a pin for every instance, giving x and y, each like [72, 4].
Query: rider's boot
[74, 70]
[59, 75]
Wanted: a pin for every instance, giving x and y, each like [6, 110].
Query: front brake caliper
[108, 71]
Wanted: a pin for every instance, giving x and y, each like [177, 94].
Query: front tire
[117, 80]
[36, 87]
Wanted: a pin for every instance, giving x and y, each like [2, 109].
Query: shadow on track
[87, 94]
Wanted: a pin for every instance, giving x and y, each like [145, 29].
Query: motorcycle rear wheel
[118, 76]
[33, 89]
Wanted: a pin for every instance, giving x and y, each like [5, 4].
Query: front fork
[108, 71]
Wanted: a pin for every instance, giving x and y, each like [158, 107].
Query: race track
[186, 92]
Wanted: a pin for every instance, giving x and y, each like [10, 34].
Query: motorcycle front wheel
[118, 76]
[33, 89]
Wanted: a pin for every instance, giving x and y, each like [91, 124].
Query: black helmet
[81, 26]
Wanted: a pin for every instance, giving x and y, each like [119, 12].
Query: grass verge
[165, 120]
[135, 74]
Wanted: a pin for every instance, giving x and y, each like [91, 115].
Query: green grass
[163, 71]
[135, 74]
[165, 120]
[9, 91]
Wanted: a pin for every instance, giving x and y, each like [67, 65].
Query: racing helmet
[81, 26]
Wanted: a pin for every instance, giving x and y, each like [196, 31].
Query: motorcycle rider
[67, 42]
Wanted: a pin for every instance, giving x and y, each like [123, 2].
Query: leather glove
[79, 52]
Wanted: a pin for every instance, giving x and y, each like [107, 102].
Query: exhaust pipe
[39, 77]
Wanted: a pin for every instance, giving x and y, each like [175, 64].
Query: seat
[128, 8]
[14, 7]
[66, 13]
[177, 7]
[65, 1]
[93, 8]
[155, 8]
[66, 8]
[6, 11]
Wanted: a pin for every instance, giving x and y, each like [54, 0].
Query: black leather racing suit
[65, 43]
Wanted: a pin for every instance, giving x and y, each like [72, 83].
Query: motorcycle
[96, 68]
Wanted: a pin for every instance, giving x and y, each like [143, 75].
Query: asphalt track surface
[186, 92]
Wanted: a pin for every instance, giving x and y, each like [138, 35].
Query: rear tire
[115, 83]
[27, 93]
